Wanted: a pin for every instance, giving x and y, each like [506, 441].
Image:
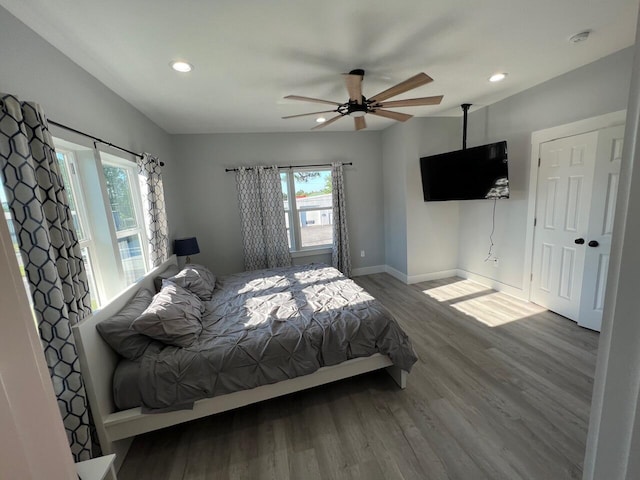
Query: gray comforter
[265, 326]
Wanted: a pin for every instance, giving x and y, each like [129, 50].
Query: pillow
[116, 331]
[172, 318]
[197, 279]
[169, 272]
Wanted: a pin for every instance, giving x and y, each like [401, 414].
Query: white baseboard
[357, 272]
[425, 277]
[403, 277]
[493, 284]
[396, 273]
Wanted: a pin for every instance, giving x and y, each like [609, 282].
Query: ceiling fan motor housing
[355, 109]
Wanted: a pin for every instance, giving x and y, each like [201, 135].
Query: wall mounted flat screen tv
[470, 174]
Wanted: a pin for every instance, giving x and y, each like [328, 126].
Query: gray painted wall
[208, 195]
[34, 70]
[420, 238]
[595, 89]
[395, 201]
[432, 233]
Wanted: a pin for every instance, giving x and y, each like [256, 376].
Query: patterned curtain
[50, 253]
[340, 255]
[264, 231]
[155, 215]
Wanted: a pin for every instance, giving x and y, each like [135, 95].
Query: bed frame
[116, 430]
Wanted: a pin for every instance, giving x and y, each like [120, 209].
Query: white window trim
[311, 251]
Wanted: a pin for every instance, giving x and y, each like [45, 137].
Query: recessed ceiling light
[497, 77]
[321, 120]
[180, 66]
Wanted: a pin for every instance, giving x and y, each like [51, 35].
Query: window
[68, 170]
[121, 182]
[309, 210]
[106, 207]
[103, 193]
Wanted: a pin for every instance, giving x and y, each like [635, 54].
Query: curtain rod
[290, 166]
[139, 155]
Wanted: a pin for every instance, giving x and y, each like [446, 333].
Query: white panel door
[565, 180]
[598, 235]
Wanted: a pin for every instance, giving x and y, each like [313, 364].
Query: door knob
[579, 241]
[593, 243]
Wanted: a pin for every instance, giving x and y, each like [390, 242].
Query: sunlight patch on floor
[497, 309]
[451, 291]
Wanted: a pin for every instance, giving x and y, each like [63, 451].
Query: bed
[292, 310]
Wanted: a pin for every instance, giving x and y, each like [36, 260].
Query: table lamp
[186, 247]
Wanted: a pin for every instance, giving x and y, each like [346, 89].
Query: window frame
[293, 213]
[89, 188]
[107, 159]
[86, 243]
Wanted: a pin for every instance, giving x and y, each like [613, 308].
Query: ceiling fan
[358, 106]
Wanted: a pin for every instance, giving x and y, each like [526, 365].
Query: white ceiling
[248, 54]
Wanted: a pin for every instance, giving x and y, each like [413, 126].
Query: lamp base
[188, 260]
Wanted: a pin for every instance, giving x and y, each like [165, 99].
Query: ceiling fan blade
[309, 99]
[413, 102]
[354, 87]
[401, 117]
[305, 114]
[331, 120]
[360, 123]
[409, 84]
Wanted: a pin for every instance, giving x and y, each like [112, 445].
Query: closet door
[598, 235]
[563, 202]
[575, 206]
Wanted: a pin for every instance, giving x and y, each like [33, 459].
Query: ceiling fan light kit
[358, 105]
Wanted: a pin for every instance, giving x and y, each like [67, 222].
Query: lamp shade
[185, 246]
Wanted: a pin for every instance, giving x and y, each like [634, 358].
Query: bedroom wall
[34, 70]
[595, 89]
[432, 227]
[207, 194]
[421, 239]
[395, 199]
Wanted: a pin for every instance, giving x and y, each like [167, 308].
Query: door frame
[542, 136]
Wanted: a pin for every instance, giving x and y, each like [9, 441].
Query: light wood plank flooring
[501, 390]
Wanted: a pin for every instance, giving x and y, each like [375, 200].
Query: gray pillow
[172, 318]
[169, 272]
[116, 331]
[197, 279]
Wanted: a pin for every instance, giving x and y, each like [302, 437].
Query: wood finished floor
[501, 390]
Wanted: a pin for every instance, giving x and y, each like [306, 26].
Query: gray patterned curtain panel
[155, 215]
[50, 253]
[264, 231]
[340, 254]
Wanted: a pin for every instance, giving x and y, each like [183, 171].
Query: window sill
[310, 252]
